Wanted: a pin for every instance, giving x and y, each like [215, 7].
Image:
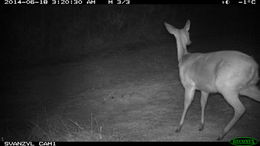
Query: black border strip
[119, 143]
[127, 2]
[160, 1]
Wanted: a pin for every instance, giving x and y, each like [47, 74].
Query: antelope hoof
[201, 127]
[220, 137]
[178, 129]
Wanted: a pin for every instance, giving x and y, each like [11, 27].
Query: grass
[57, 128]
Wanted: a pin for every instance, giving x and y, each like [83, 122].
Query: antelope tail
[252, 92]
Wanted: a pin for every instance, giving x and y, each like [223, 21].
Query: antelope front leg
[189, 94]
[203, 101]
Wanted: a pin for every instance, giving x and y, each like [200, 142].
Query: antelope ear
[187, 25]
[171, 29]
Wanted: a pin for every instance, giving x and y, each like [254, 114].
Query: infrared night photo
[130, 72]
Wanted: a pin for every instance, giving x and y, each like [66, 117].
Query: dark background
[49, 34]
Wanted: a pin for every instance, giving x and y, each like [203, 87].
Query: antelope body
[231, 73]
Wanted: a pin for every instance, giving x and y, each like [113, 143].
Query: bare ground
[126, 93]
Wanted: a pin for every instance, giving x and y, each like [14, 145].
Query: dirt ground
[129, 92]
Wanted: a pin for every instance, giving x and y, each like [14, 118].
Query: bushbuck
[230, 73]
